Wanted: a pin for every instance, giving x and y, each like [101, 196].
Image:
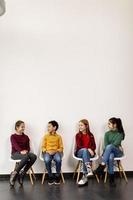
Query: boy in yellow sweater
[52, 149]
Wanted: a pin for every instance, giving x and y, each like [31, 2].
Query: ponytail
[120, 127]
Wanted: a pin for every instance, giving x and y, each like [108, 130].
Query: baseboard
[67, 175]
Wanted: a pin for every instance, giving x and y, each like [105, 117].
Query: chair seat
[96, 157]
[120, 158]
[41, 158]
[76, 158]
[91, 159]
[12, 160]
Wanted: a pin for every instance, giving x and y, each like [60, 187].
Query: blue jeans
[109, 154]
[57, 157]
[85, 155]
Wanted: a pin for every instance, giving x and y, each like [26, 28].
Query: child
[112, 143]
[52, 149]
[21, 150]
[85, 149]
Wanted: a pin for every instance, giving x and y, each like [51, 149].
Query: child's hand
[91, 152]
[51, 152]
[23, 152]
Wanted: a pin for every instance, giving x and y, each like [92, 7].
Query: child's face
[21, 128]
[82, 127]
[51, 128]
[111, 126]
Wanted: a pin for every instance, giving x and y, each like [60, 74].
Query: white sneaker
[90, 173]
[83, 180]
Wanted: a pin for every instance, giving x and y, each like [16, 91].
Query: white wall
[65, 60]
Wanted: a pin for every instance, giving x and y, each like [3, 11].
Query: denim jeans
[85, 155]
[57, 157]
[109, 154]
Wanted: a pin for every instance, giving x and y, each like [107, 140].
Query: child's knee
[85, 150]
[47, 159]
[32, 156]
[58, 159]
[109, 146]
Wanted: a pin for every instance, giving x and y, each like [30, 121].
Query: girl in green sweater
[112, 147]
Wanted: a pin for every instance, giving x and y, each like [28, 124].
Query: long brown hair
[86, 123]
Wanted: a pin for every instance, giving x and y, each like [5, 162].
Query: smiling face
[51, 128]
[111, 126]
[20, 128]
[82, 127]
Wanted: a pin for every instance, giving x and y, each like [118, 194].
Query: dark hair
[119, 125]
[54, 124]
[18, 123]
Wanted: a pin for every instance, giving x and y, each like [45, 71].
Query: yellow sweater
[52, 143]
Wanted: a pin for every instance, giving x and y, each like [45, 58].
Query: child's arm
[78, 144]
[28, 144]
[92, 145]
[15, 144]
[118, 140]
[60, 149]
[106, 139]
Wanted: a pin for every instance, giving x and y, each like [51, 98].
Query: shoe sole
[12, 185]
[50, 183]
[90, 175]
[57, 183]
[83, 184]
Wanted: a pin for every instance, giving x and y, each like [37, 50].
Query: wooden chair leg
[119, 168]
[33, 174]
[97, 178]
[77, 166]
[31, 179]
[124, 174]
[106, 174]
[43, 176]
[78, 170]
[62, 176]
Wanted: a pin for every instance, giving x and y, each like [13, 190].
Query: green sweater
[113, 137]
